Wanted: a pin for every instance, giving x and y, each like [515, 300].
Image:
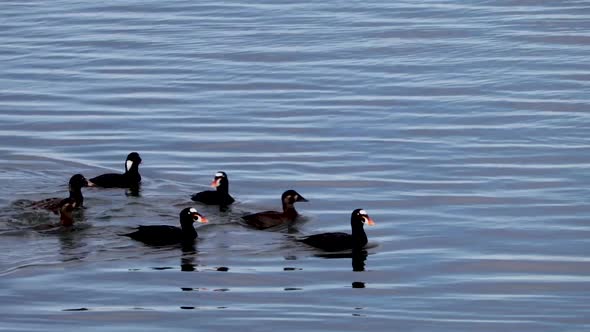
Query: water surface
[462, 128]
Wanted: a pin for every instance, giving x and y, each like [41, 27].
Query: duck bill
[301, 199]
[369, 221]
[215, 183]
[200, 218]
[91, 184]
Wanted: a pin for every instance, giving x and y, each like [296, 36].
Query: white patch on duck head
[128, 165]
[192, 210]
[363, 213]
[219, 175]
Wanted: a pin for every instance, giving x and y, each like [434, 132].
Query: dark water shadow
[187, 259]
[288, 227]
[358, 258]
[224, 208]
[188, 255]
[290, 289]
[134, 191]
[72, 245]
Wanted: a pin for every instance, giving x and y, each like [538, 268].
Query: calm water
[461, 127]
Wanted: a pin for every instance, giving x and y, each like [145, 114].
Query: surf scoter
[130, 179]
[159, 235]
[343, 241]
[267, 219]
[220, 196]
[76, 199]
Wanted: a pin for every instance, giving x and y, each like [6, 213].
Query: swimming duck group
[159, 235]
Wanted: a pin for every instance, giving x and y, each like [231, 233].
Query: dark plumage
[75, 199]
[343, 241]
[159, 235]
[65, 212]
[65, 209]
[220, 196]
[267, 219]
[130, 179]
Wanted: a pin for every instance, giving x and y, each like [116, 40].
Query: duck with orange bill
[339, 241]
[160, 235]
[220, 196]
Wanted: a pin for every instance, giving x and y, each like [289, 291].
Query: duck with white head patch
[220, 196]
[342, 241]
[130, 179]
[160, 235]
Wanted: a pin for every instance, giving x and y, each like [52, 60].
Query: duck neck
[76, 195]
[134, 169]
[359, 237]
[133, 173]
[188, 230]
[223, 188]
[289, 211]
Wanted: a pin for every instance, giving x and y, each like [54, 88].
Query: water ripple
[461, 127]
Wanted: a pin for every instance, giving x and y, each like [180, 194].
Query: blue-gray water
[462, 127]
